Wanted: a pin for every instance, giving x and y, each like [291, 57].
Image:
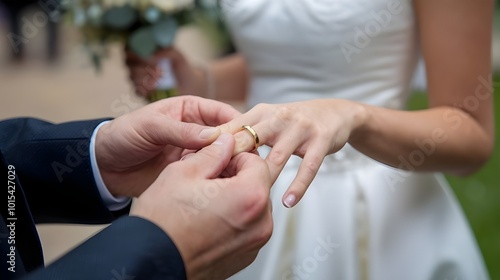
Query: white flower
[169, 6]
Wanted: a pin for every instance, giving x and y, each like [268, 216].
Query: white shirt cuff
[113, 203]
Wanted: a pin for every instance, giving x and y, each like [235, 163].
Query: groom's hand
[214, 207]
[133, 149]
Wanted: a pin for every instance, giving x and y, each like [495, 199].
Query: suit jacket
[47, 178]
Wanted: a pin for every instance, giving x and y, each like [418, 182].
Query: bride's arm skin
[457, 130]
[455, 38]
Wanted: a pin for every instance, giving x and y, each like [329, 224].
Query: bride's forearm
[443, 139]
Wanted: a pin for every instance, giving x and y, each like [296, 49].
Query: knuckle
[256, 204]
[265, 173]
[261, 107]
[248, 258]
[324, 133]
[260, 199]
[311, 167]
[304, 122]
[284, 113]
[252, 257]
[263, 230]
[264, 234]
[278, 157]
[267, 229]
[190, 99]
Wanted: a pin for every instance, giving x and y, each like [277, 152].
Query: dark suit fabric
[54, 184]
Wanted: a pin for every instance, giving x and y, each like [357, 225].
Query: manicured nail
[290, 200]
[209, 133]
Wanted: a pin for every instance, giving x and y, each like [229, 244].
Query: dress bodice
[362, 50]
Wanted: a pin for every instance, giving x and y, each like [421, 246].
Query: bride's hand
[144, 73]
[309, 129]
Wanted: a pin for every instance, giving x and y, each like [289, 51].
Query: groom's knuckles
[205, 161]
[249, 163]
[252, 202]
[256, 170]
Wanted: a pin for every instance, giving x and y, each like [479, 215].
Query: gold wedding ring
[253, 133]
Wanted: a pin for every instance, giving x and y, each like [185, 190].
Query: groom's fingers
[208, 112]
[212, 160]
[250, 118]
[163, 131]
[247, 165]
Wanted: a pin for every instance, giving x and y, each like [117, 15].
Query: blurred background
[46, 73]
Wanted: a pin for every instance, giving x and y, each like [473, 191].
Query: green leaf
[164, 31]
[122, 17]
[142, 42]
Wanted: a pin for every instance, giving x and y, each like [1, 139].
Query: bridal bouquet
[144, 26]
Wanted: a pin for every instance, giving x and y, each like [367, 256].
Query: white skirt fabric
[362, 220]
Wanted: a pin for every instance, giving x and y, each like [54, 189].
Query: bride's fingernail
[209, 133]
[290, 200]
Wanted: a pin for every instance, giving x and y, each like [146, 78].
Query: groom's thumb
[210, 161]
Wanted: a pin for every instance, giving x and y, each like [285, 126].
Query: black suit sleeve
[54, 183]
[130, 248]
[53, 166]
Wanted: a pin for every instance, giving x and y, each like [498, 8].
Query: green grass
[479, 194]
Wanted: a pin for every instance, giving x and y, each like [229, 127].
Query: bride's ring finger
[254, 135]
[247, 140]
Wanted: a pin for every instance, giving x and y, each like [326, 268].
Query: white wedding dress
[359, 219]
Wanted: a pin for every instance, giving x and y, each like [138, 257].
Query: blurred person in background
[328, 81]
[19, 24]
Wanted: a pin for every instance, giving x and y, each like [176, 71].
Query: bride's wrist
[361, 120]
